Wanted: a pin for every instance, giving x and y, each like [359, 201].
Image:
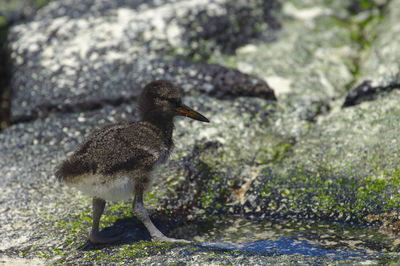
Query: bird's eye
[174, 101]
[164, 98]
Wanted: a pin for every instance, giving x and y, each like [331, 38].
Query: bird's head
[162, 100]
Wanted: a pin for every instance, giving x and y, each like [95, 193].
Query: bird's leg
[143, 216]
[95, 236]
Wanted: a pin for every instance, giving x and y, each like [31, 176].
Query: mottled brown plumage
[116, 161]
[116, 148]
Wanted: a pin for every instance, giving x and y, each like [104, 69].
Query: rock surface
[80, 65]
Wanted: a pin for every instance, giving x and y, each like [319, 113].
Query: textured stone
[380, 63]
[98, 50]
[79, 65]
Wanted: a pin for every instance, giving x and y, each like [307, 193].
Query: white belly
[107, 188]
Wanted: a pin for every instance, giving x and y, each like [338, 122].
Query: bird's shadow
[130, 229]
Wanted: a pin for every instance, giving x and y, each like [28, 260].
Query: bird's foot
[163, 238]
[105, 237]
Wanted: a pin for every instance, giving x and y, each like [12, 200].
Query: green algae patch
[215, 176]
[327, 195]
[63, 237]
[117, 210]
[125, 252]
[344, 169]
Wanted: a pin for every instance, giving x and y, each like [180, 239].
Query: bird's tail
[69, 169]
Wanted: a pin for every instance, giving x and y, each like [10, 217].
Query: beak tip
[188, 112]
[201, 118]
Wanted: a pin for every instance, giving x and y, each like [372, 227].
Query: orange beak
[184, 110]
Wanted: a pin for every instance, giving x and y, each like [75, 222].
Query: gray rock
[81, 65]
[380, 63]
[379, 70]
[98, 50]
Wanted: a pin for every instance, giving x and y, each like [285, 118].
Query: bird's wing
[124, 147]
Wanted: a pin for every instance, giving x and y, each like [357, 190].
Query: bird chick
[116, 161]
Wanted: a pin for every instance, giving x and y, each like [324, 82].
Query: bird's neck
[166, 126]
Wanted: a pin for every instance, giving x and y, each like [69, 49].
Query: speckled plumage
[125, 149]
[116, 161]
[122, 150]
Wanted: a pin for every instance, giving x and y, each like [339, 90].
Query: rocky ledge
[304, 107]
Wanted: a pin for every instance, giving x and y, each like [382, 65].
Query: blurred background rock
[11, 12]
